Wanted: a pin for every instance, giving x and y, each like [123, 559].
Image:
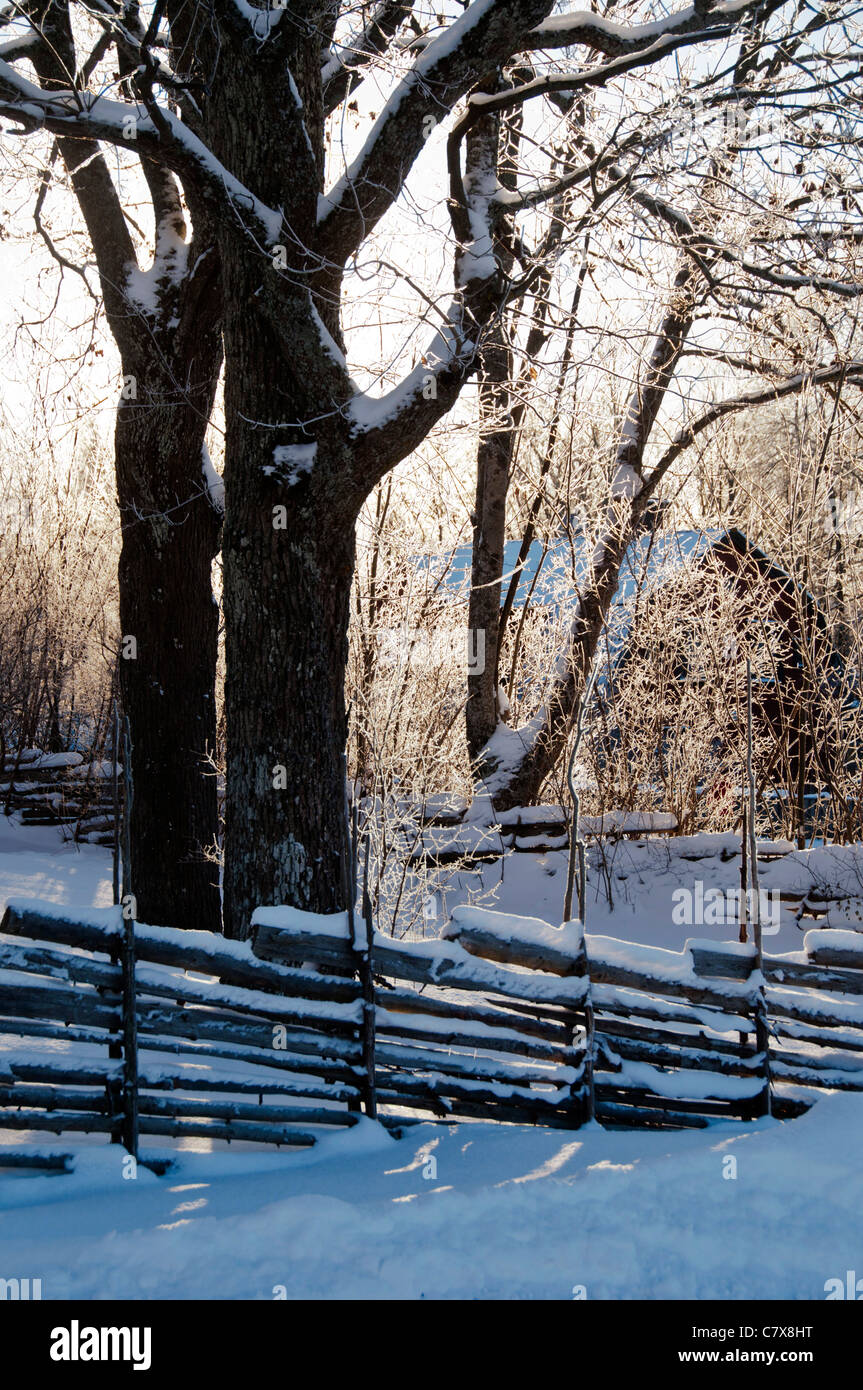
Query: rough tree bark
[170, 350]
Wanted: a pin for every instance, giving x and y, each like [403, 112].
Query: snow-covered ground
[507, 1213]
[663, 892]
[759, 1211]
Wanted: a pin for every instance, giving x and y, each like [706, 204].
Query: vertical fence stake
[368, 983]
[130, 1040]
[128, 797]
[762, 1034]
[589, 1102]
[363, 957]
[114, 1092]
[350, 881]
[577, 859]
[115, 797]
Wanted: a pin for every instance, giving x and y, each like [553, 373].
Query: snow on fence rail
[61, 789]
[175, 1033]
[482, 1039]
[184, 1054]
[446, 838]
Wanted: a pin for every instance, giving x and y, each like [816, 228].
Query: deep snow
[510, 1213]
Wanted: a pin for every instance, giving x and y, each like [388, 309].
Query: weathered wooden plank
[59, 965]
[500, 1014]
[845, 1039]
[475, 1068]
[687, 1058]
[631, 1003]
[815, 1074]
[62, 1032]
[488, 935]
[473, 1089]
[204, 953]
[613, 1028]
[52, 1162]
[56, 1071]
[636, 1116]
[236, 1130]
[192, 1107]
[604, 972]
[426, 963]
[609, 1090]
[38, 1001]
[822, 973]
[156, 1018]
[309, 1065]
[492, 1109]
[834, 956]
[59, 1121]
[415, 1029]
[53, 1097]
[159, 1080]
[337, 1018]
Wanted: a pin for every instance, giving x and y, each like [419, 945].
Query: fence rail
[61, 789]
[302, 1029]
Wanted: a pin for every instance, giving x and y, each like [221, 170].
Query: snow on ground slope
[36, 863]
[508, 1213]
[657, 892]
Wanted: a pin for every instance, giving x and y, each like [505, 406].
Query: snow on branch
[386, 428]
[448, 351]
[359, 51]
[17, 48]
[90, 115]
[609, 36]
[487, 33]
[261, 22]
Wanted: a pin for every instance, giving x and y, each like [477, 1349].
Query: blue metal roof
[555, 572]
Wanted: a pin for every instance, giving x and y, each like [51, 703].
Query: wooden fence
[489, 1023]
[303, 1028]
[61, 789]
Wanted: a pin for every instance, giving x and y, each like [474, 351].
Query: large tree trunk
[171, 353]
[298, 463]
[167, 675]
[288, 553]
[287, 598]
[288, 541]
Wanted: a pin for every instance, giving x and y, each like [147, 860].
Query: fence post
[588, 1105]
[363, 958]
[115, 797]
[130, 1039]
[368, 984]
[762, 1032]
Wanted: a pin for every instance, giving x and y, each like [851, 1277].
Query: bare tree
[166, 324]
[711, 276]
[232, 100]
